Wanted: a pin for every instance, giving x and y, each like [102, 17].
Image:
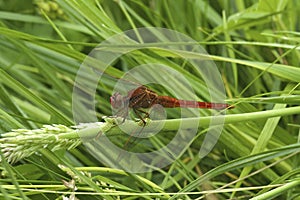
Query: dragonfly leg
[147, 114]
[138, 111]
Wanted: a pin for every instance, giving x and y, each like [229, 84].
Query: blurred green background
[255, 45]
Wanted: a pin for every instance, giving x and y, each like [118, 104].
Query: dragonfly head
[117, 100]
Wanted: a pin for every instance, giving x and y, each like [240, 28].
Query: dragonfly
[139, 98]
[143, 98]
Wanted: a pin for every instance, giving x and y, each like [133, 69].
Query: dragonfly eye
[116, 100]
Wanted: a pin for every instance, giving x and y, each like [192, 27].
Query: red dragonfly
[143, 98]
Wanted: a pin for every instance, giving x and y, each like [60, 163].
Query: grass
[255, 47]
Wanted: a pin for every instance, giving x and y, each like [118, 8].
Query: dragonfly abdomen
[170, 102]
